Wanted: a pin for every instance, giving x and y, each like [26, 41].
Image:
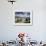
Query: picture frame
[23, 17]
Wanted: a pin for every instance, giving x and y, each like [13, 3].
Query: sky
[22, 14]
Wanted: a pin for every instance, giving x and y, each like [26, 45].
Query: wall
[9, 31]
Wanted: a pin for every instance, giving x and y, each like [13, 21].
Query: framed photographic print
[23, 17]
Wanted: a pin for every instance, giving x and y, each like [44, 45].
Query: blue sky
[22, 14]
